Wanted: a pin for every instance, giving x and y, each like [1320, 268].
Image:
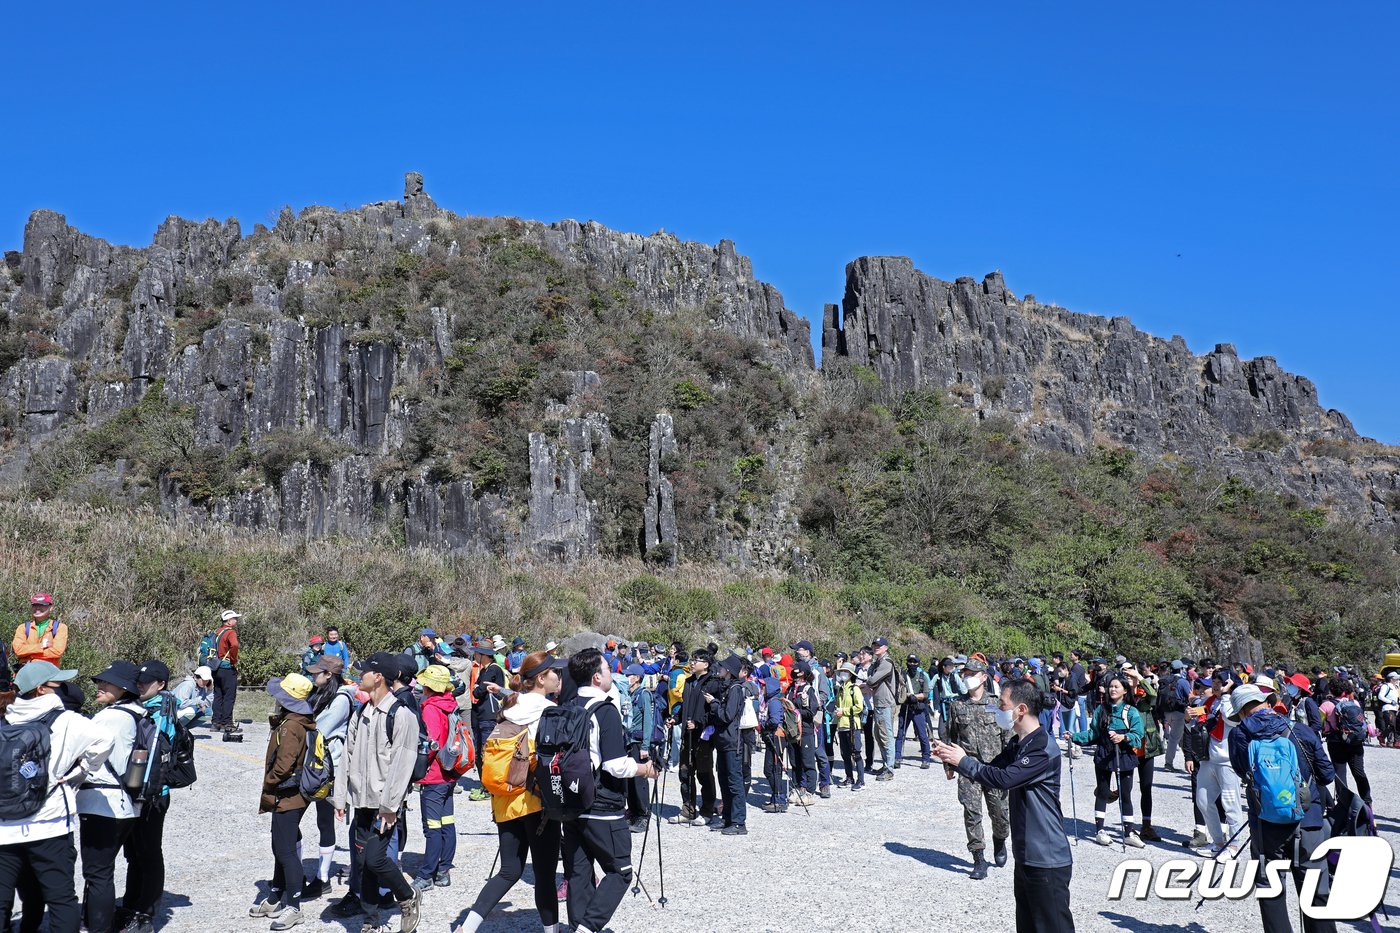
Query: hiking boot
[738, 829]
[979, 867]
[479, 793]
[773, 808]
[139, 923]
[267, 907]
[314, 889]
[1101, 837]
[1132, 840]
[347, 906]
[824, 792]
[718, 827]
[442, 879]
[287, 919]
[423, 884]
[886, 776]
[925, 766]
[1171, 768]
[1150, 834]
[234, 727]
[1199, 840]
[639, 825]
[715, 822]
[408, 911]
[999, 852]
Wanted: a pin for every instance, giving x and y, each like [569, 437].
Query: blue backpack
[1278, 791]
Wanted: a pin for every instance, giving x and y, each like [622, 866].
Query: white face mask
[1006, 718]
[975, 680]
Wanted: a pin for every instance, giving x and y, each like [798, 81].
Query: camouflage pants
[970, 795]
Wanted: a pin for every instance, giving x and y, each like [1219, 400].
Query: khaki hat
[435, 677]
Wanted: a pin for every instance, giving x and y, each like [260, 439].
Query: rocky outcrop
[562, 522]
[659, 539]
[1076, 380]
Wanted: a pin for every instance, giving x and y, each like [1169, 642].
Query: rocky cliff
[1076, 380]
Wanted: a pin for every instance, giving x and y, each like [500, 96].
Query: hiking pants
[748, 741]
[697, 764]
[869, 728]
[1080, 721]
[352, 880]
[884, 734]
[773, 769]
[919, 719]
[1042, 899]
[823, 755]
[51, 862]
[145, 859]
[1216, 782]
[731, 783]
[1147, 766]
[1346, 755]
[638, 797]
[608, 843]
[1387, 727]
[849, 740]
[1274, 841]
[1103, 787]
[377, 867]
[538, 837]
[804, 760]
[100, 842]
[287, 873]
[1176, 726]
[481, 731]
[225, 691]
[439, 829]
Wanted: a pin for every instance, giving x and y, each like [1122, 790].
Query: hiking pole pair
[1223, 851]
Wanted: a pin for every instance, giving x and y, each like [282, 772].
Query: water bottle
[136, 770]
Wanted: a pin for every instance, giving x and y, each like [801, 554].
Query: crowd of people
[568, 750]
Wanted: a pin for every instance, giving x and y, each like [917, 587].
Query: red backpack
[457, 754]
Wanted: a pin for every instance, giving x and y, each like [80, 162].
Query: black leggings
[540, 838]
[287, 873]
[325, 823]
[1145, 769]
[102, 838]
[850, 755]
[1344, 755]
[1103, 787]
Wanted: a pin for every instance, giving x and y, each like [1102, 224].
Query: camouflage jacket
[973, 726]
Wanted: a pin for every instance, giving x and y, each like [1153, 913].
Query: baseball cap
[327, 664]
[912, 659]
[428, 632]
[975, 666]
[152, 670]
[316, 640]
[1178, 665]
[612, 642]
[767, 652]
[41, 599]
[228, 615]
[203, 673]
[1302, 682]
[36, 673]
[881, 642]
[635, 670]
[381, 662]
[803, 645]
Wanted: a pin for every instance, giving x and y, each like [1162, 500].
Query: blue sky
[1226, 172]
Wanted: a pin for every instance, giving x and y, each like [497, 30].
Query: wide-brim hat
[291, 693]
[435, 677]
[1245, 696]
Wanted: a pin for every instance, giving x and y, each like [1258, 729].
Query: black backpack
[181, 773]
[427, 748]
[1167, 700]
[24, 766]
[160, 758]
[563, 777]
[1195, 741]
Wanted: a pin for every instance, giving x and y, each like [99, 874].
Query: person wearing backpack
[849, 707]
[599, 836]
[1115, 732]
[914, 712]
[105, 810]
[41, 637]
[381, 748]
[821, 685]
[1171, 703]
[1142, 694]
[1388, 702]
[435, 789]
[726, 708]
[1287, 773]
[485, 704]
[770, 724]
[697, 749]
[225, 667]
[802, 745]
[640, 727]
[38, 803]
[520, 821]
[145, 847]
[1345, 729]
[332, 702]
[882, 687]
[282, 797]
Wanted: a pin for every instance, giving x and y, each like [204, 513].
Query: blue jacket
[339, 650]
[770, 712]
[1312, 757]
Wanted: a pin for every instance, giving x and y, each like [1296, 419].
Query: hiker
[1115, 731]
[802, 747]
[105, 810]
[641, 742]
[516, 655]
[316, 647]
[435, 790]
[335, 647]
[1263, 736]
[194, 703]
[520, 822]
[821, 686]
[226, 672]
[380, 750]
[880, 681]
[1029, 769]
[914, 712]
[1217, 785]
[726, 701]
[849, 708]
[41, 637]
[1142, 694]
[36, 830]
[599, 836]
[144, 849]
[774, 744]
[697, 762]
[1345, 730]
[485, 705]
[973, 726]
[282, 797]
[947, 687]
[332, 702]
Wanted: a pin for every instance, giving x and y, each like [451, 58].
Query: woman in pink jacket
[439, 823]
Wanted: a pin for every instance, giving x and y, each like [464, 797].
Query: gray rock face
[659, 534]
[563, 523]
[1076, 380]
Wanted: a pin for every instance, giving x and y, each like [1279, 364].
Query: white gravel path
[890, 858]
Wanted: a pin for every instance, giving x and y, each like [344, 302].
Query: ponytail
[520, 684]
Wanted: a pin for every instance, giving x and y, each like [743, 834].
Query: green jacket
[1152, 736]
[1121, 718]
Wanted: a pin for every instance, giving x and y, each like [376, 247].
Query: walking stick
[1118, 785]
[1073, 804]
[641, 859]
[492, 873]
[661, 862]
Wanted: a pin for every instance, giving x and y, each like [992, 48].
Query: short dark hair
[583, 665]
[332, 628]
[1025, 691]
[702, 655]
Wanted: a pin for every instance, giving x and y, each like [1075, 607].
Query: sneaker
[772, 808]
[347, 906]
[718, 827]
[682, 819]
[267, 907]
[287, 919]
[408, 911]
[314, 889]
[479, 793]
[423, 884]
[1075, 752]
[639, 825]
[859, 785]
[1101, 837]
[824, 793]
[886, 776]
[839, 782]
[925, 766]
[1134, 841]
[1149, 834]
[715, 822]
[738, 829]
[442, 879]
[139, 923]
[1199, 840]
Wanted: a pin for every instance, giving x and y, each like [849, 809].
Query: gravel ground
[892, 857]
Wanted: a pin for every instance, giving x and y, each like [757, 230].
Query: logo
[1358, 882]
[29, 770]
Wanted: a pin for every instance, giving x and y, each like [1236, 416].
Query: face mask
[843, 678]
[975, 680]
[1006, 718]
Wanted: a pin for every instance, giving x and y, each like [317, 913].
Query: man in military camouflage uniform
[971, 724]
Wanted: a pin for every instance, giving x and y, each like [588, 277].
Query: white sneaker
[1132, 839]
[1102, 838]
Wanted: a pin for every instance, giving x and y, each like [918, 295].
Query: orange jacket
[45, 642]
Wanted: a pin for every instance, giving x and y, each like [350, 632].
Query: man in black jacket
[697, 748]
[485, 705]
[725, 698]
[1029, 768]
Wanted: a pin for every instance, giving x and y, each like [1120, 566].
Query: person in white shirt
[1389, 697]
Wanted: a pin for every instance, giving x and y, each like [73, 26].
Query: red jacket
[435, 710]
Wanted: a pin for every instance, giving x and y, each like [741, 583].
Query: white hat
[228, 615]
[551, 645]
[1265, 683]
[498, 643]
[203, 673]
[1241, 697]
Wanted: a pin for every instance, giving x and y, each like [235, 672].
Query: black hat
[912, 659]
[152, 670]
[120, 674]
[804, 645]
[881, 642]
[733, 664]
[381, 662]
[801, 668]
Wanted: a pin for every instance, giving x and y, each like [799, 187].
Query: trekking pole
[642, 859]
[1118, 785]
[1073, 804]
[660, 862]
[492, 874]
[1216, 860]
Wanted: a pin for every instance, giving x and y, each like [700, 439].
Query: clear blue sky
[1077, 147]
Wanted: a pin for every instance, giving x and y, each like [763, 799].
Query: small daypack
[457, 754]
[792, 720]
[1351, 722]
[901, 688]
[563, 777]
[317, 776]
[160, 758]
[1278, 791]
[182, 772]
[24, 766]
[506, 760]
[208, 653]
